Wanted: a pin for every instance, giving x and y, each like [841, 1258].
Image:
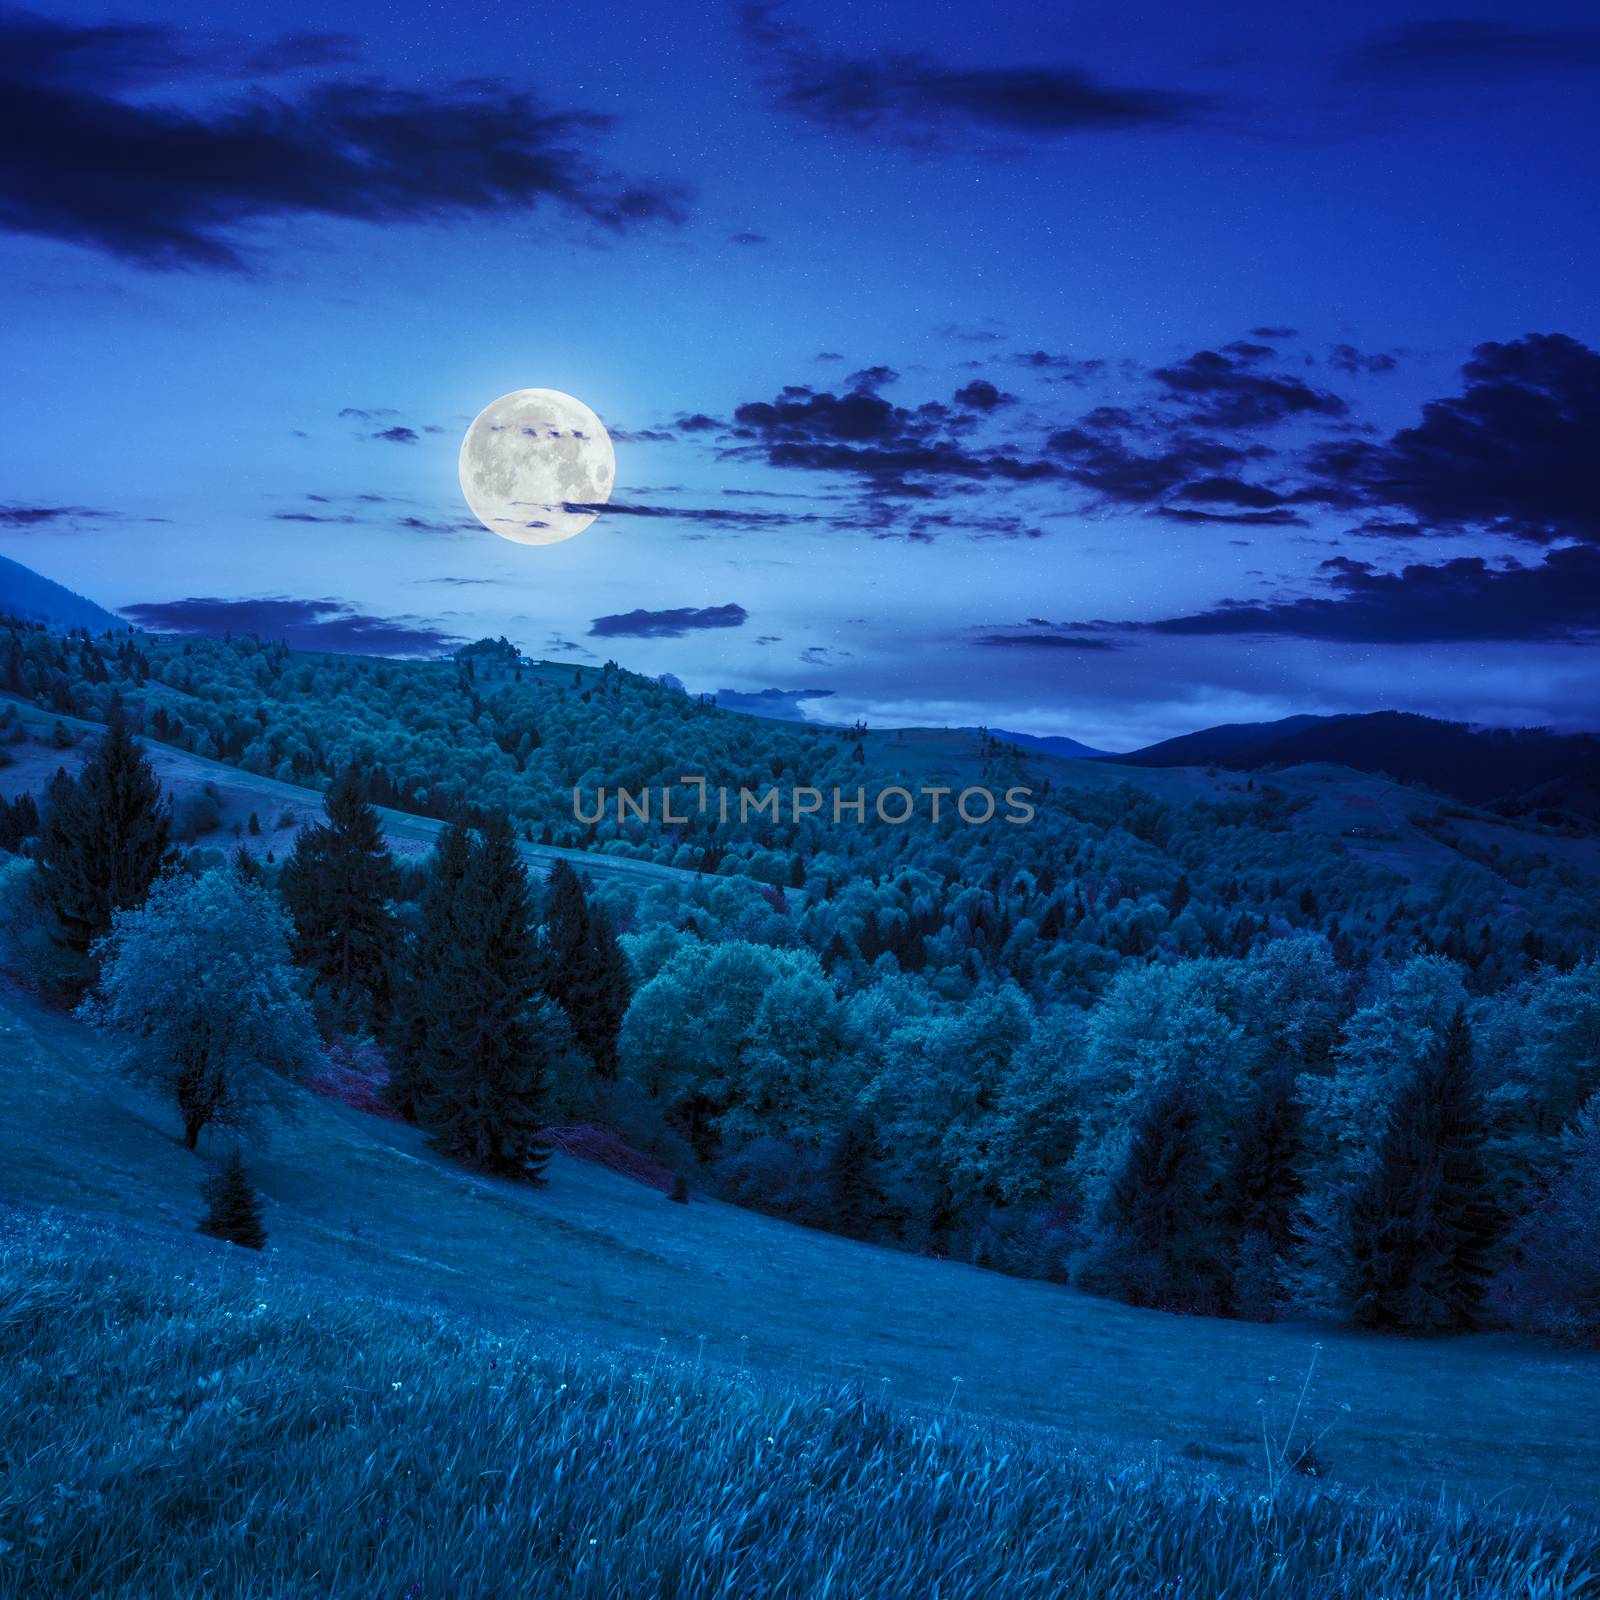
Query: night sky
[1107, 370]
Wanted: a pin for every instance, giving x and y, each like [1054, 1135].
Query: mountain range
[1518, 772]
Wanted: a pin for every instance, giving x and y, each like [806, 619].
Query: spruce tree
[1262, 1194]
[490, 1042]
[1421, 1227]
[338, 883]
[1158, 1245]
[584, 969]
[233, 1208]
[431, 981]
[103, 838]
[855, 1202]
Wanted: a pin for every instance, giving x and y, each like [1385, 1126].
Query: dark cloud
[1074, 369]
[981, 395]
[1230, 491]
[1473, 48]
[1513, 452]
[173, 185]
[1280, 517]
[641, 435]
[368, 413]
[424, 525]
[725, 515]
[1346, 358]
[828, 355]
[672, 624]
[397, 435]
[896, 449]
[1226, 391]
[1101, 454]
[1043, 641]
[331, 625]
[698, 422]
[1273, 333]
[51, 516]
[1463, 599]
[310, 516]
[748, 238]
[911, 99]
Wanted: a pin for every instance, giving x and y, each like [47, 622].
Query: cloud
[1279, 517]
[397, 435]
[330, 625]
[1463, 599]
[723, 515]
[911, 99]
[49, 516]
[981, 395]
[1042, 641]
[1346, 358]
[1226, 391]
[174, 185]
[897, 449]
[1513, 451]
[423, 525]
[1472, 48]
[311, 516]
[671, 624]
[748, 238]
[1099, 456]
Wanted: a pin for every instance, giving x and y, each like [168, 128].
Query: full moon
[530, 456]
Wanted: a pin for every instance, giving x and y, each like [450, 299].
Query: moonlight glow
[536, 465]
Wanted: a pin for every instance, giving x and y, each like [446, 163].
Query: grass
[189, 1420]
[362, 1208]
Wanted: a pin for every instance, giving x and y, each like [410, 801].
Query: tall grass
[181, 1421]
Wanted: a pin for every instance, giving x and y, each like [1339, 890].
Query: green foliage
[489, 1044]
[338, 884]
[1552, 1280]
[198, 999]
[233, 1208]
[1421, 1229]
[1158, 1244]
[103, 839]
[583, 968]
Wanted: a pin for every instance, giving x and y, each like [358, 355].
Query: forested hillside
[1180, 1051]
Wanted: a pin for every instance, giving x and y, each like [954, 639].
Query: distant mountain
[23, 593]
[1515, 771]
[1052, 744]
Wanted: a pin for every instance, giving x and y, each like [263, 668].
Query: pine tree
[338, 883]
[103, 837]
[431, 983]
[233, 1208]
[584, 969]
[1420, 1228]
[1263, 1191]
[490, 1044]
[855, 1202]
[1158, 1245]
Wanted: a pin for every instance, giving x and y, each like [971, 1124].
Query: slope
[26, 593]
[364, 1207]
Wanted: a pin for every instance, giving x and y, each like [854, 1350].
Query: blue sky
[272, 260]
